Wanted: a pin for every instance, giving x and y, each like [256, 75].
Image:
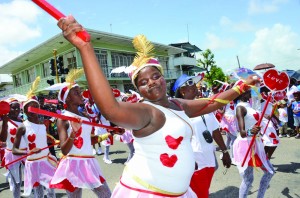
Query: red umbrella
[264, 66]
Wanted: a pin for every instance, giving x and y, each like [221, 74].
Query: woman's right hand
[70, 27]
[255, 130]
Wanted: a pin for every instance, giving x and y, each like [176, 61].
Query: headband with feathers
[30, 95]
[144, 57]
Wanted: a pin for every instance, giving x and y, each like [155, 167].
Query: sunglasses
[190, 82]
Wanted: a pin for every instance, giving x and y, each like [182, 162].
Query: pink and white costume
[270, 138]
[39, 167]
[257, 156]
[78, 169]
[14, 172]
[163, 163]
[228, 121]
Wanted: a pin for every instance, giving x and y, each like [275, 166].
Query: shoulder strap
[203, 118]
[177, 103]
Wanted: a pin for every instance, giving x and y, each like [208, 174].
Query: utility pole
[237, 57]
[55, 65]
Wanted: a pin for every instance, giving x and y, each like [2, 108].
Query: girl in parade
[247, 118]
[206, 129]
[163, 162]
[40, 164]
[10, 124]
[78, 168]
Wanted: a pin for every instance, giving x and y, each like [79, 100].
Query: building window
[71, 60]
[30, 73]
[18, 81]
[121, 59]
[102, 59]
[46, 69]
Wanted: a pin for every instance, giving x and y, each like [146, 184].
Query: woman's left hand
[226, 160]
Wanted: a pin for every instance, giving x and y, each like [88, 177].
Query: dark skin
[12, 115]
[144, 119]
[190, 93]
[32, 117]
[241, 113]
[73, 100]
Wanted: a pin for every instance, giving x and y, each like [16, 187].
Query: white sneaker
[280, 136]
[99, 151]
[94, 152]
[107, 161]
[288, 136]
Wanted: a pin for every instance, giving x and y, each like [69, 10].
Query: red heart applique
[79, 132]
[275, 141]
[31, 137]
[256, 116]
[13, 131]
[172, 142]
[133, 98]
[31, 146]
[280, 95]
[276, 81]
[231, 106]
[272, 135]
[12, 140]
[168, 161]
[78, 142]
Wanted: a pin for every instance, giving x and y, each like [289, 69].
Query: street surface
[285, 183]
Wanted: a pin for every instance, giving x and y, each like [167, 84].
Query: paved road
[285, 183]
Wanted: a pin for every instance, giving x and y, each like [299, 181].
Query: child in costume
[163, 162]
[247, 118]
[40, 165]
[10, 124]
[78, 168]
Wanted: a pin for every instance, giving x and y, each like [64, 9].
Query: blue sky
[257, 31]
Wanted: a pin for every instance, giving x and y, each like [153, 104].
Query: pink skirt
[9, 157]
[228, 124]
[122, 189]
[38, 172]
[77, 172]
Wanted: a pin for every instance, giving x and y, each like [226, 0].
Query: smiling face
[151, 84]
[32, 117]
[75, 96]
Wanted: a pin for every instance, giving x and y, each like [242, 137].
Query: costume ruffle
[77, 172]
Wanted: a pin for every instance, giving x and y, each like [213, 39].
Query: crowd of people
[169, 137]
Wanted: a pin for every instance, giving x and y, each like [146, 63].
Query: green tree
[213, 72]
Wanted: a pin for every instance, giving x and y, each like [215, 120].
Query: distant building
[6, 82]
[112, 51]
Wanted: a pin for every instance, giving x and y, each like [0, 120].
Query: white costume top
[36, 137]
[283, 117]
[82, 141]
[241, 145]
[203, 151]
[165, 158]
[11, 135]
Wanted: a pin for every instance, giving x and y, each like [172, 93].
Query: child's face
[282, 105]
[297, 97]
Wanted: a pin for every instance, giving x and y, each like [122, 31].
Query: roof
[187, 46]
[44, 50]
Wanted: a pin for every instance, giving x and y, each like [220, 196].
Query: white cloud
[277, 45]
[17, 25]
[216, 43]
[264, 6]
[242, 26]
[7, 55]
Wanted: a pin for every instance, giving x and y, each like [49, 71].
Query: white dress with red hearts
[228, 121]
[270, 137]
[9, 156]
[78, 169]
[39, 167]
[257, 155]
[163, 163]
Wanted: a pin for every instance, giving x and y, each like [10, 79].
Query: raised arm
[133, 116]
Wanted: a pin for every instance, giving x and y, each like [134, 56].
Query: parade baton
[84, 35]
[63, 117]
[274, 81]
[6, 165]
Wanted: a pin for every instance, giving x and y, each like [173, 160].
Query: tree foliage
[213, 72]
